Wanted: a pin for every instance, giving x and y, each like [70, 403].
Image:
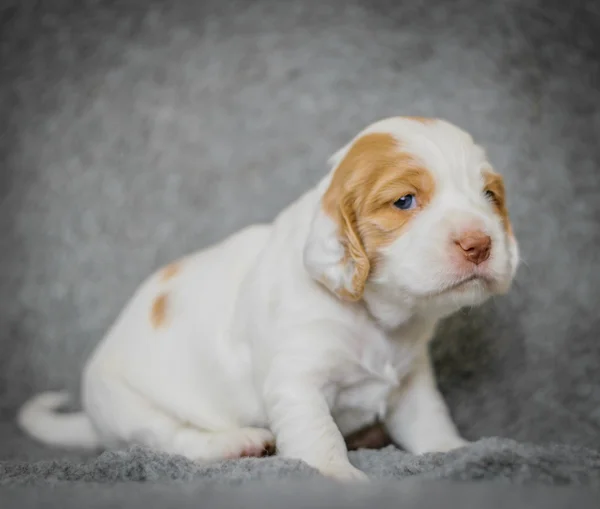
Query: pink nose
[475, 246]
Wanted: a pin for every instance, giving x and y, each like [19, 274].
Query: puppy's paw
[250, 442]
[343, 472]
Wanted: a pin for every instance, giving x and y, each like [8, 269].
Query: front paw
[343, 472]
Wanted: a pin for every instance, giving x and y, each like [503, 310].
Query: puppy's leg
[305, 430]
[418, 418]
[298, 410]
[131, 418]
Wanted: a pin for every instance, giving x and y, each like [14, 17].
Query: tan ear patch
[170, 271]
[374, 173]
[494, 183]
[159, 310]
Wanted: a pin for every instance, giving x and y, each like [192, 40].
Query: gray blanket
[299, 495]
[134, 132]
[490, 459]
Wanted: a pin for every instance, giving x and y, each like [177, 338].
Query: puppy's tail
[38, 417]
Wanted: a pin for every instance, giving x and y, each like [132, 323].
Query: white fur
[253, 347]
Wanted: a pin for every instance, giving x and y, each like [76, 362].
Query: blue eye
[407, 202]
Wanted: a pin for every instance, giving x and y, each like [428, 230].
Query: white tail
[39, 418]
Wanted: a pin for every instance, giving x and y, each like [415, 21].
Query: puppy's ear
[334, 253]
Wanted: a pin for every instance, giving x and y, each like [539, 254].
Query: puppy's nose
[475, 246]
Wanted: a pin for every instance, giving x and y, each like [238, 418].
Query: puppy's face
[413, 213]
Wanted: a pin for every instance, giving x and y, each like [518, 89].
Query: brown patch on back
[495, 184]
[158, 312]
[170, 271]
[360, 199]
[422, 120]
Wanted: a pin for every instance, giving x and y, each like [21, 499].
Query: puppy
[303, 331]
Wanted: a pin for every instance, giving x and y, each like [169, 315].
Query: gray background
[134, 132]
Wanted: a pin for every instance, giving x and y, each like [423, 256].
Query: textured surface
[489, 459]
[300, 495]
[136, 131]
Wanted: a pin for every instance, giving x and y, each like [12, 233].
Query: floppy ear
[334, 253]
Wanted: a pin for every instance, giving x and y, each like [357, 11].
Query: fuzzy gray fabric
[489, 459]
[136, 131]
[299, 495]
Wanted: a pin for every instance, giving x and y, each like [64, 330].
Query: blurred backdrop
[134, 132]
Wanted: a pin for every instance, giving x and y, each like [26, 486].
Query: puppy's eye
[407, 202]
[490, 195]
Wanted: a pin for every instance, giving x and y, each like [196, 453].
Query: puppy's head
[413, 213]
